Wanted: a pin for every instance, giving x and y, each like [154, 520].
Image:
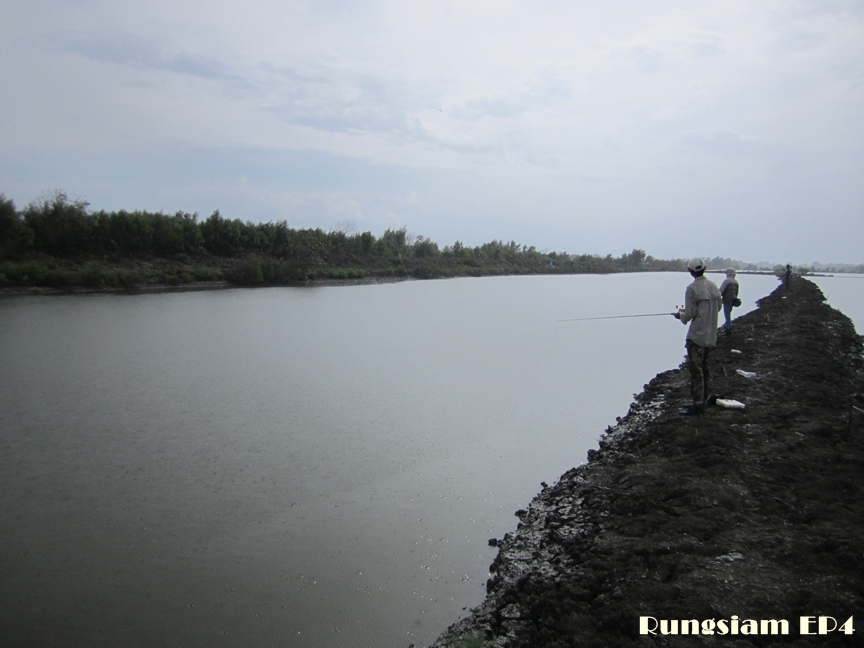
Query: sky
[719, 128]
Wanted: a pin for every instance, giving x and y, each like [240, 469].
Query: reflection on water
[298, 466]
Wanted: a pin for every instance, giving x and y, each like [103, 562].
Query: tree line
[57, 240]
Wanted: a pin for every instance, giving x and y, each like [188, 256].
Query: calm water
[298, 466]
[845, 292]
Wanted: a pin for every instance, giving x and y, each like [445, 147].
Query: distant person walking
[788, 275]
[701, 306]
[729, 293]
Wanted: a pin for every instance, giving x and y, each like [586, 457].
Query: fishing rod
[582, 319]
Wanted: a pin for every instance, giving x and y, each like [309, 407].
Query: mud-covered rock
[757, 512]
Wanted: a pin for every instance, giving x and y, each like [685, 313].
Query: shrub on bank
[94, 275]
[91, 275]
[31, 273]
[257, 271]
[206, 273]
[344, 273]
[246, 272]
[276, 271]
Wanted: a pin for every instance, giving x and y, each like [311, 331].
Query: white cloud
[628, 113]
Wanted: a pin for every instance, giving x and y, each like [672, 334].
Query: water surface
[845, 292]
[298, 466]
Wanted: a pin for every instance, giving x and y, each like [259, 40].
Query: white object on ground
[746, 374]
[735, 351]
[730, 404]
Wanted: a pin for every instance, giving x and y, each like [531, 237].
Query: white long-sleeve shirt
[702, 303]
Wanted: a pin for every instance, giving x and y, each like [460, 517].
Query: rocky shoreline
[753, 514]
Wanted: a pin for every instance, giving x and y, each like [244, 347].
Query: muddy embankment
[753, 514]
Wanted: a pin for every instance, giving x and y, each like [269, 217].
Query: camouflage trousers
[697, 363]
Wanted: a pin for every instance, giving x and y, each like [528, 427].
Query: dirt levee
[735, 515]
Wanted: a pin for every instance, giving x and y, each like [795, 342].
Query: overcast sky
[730, 127]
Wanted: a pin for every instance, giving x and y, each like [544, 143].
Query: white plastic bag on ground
[730, 404]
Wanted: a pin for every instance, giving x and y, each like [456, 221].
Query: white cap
[696, 264]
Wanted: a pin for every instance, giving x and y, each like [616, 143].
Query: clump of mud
[757, 512]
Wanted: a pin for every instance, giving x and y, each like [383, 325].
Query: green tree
[307, 251]
[176, 234]
[223, 237]
[425, 248]
[364, 242]
[60, 226]
[392, 244]
[633, 260]
[15, 237]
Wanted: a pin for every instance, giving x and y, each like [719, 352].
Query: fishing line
[583, 319]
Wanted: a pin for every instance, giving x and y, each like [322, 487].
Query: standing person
[729, 293]
[788, 275]
[701, 306]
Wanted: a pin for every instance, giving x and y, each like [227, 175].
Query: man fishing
[702, 302]
[729, 294]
